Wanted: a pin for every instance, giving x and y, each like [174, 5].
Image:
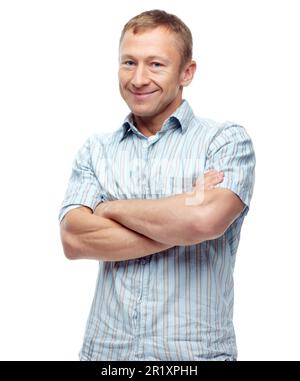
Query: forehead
[150, 42]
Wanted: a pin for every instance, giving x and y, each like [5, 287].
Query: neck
[148, 126]
[151, 125]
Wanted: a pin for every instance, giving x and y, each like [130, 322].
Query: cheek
[168, 82]
[123, 78]
[121, 81]
[171, 87]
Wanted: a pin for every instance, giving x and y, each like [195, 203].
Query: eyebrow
[150, 58]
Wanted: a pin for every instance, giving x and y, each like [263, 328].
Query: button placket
[145, 169]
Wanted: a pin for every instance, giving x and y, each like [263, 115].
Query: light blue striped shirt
[176, 304]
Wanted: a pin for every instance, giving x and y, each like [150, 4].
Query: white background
[58, 85]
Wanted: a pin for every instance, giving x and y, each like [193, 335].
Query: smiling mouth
[137, 94]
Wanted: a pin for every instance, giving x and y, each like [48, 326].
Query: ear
[187, 73]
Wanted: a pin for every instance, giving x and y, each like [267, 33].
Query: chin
[141, 110]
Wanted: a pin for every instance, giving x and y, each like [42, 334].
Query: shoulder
[222, 133]
[96, 140]
[215, 132]
[213, 127]
[216, 128]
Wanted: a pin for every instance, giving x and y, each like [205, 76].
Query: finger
[212, 177]
[218, 177]
[213, 180]
[211, 172]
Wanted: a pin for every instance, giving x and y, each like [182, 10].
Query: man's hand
[203, 184]
[210, 179]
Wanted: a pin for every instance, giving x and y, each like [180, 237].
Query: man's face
[149, 73]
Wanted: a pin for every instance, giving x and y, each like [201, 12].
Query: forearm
[169, 220]
[87, 236]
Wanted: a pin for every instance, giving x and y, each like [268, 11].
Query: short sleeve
[83, 188]
[231, 151]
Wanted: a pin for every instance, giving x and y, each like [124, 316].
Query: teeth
[143, 93]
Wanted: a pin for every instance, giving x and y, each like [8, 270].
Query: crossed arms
[128, 229]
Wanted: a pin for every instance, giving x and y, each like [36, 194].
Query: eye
[128, 63]
[156, 65]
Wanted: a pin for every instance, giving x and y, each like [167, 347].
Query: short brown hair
[155, 18]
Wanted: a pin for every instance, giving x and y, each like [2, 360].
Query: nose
[140, 77]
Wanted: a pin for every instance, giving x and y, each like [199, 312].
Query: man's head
[155, 63]
[156, 18]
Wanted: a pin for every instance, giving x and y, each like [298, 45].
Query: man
[165, 235]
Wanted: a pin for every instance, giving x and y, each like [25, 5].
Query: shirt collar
[182, 117]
